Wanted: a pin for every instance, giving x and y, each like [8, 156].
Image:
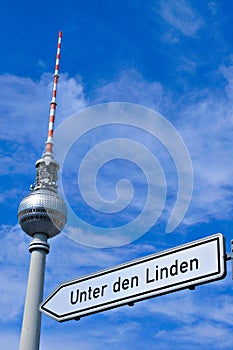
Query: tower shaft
[30, 338]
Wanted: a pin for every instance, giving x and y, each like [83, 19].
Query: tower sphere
[42, 211]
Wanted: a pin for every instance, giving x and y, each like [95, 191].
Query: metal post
[30, 336]
[231, 256]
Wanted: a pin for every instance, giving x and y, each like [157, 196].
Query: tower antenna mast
[53, 103]
[42, 215]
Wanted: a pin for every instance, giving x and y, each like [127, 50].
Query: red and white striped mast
[53, 103]
[42, 215]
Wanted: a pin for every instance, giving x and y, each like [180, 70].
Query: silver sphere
[42, 211]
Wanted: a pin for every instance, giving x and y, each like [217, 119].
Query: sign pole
[231, 257]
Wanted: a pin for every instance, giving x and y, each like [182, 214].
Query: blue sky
[175, 57]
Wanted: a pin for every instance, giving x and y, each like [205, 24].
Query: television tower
[42, 215]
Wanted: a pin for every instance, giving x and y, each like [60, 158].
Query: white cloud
[130, 86]
[206, 126]
[181, 17]
[9, 339]
[203, 335]
[24, 108]
[205, 123]
[204, 120]
[13, 262]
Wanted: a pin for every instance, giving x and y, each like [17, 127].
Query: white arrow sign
[182, 267]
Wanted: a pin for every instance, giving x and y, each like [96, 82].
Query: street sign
[185, 266]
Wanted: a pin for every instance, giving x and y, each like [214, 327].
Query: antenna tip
[60, 34]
